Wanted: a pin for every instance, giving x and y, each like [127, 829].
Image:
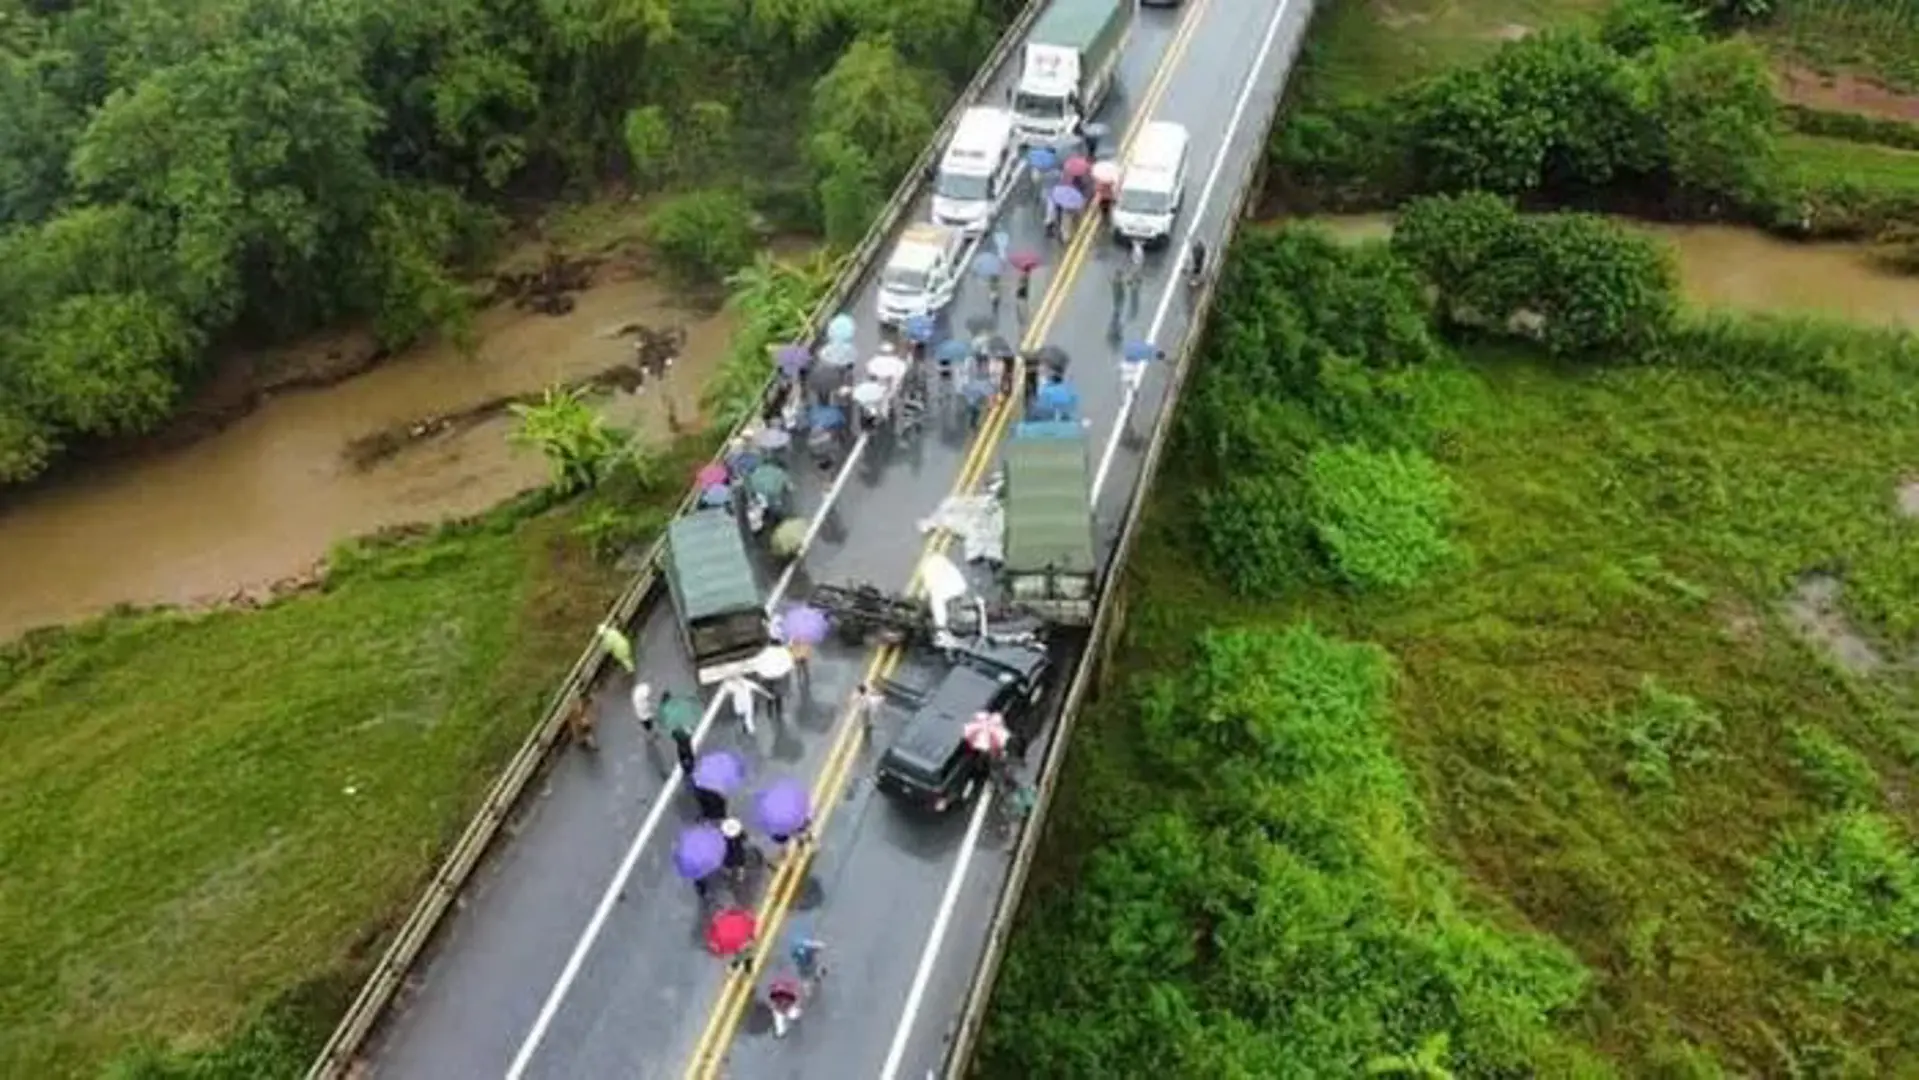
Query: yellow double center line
[709, 1052]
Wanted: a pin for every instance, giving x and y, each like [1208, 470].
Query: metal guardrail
[389, 974]
[1106, 623]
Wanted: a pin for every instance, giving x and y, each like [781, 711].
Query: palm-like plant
[1426, 1063]
[578, 443]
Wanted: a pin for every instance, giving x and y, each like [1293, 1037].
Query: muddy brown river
[266, 497]
[269, 495]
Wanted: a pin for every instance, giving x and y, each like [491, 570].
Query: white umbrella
[838, 354]
[773, 662]
[869, 393]
[986, 732]
[886, 367]
[1106, 172]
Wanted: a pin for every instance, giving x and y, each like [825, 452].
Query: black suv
[930, 766]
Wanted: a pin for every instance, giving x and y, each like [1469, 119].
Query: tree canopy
[175, 174]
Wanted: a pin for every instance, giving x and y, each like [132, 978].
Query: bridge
[557, 940]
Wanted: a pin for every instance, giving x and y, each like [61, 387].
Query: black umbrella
[981, 324]
[1000, 348]
[1050, 356]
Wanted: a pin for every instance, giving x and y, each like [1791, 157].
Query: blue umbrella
[1068, 198]
[841, 328]
[838, 354]
[783, 807]
[1042, 159]
[699, 852]
[1140, 351]
[951, 351]
[825, 417]
[741, 462]
[988, 265]
[716, 495]
[1057, 398]
[921, 328]
[719, 771]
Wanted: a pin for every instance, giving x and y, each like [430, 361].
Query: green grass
[1605, 716]
[1371, 47]
[202, 814]
[1819, 162]
[1875, 38]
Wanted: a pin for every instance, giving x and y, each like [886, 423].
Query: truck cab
[922, 274]
[1047, 98]
[1051, 565]
[930, 767]
[716, 593]
[980, 160]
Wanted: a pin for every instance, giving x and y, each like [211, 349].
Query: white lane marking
[929, 955]
[655, 814]
[948, 901]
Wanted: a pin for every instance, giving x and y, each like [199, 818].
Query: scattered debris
[549, 289]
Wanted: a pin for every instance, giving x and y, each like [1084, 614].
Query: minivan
[1153, 184]
[922, 274]
[979, 162]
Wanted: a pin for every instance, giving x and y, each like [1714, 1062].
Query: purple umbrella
[716, 495]
[805, 625]
[1068, 198]
[700, 851]
[719, 771]
[783, 807]
[794, 359]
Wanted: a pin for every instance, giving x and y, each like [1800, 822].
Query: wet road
[639, 998]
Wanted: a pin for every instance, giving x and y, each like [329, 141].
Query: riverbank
[1492, 713]
[266, 497]
[207, 812]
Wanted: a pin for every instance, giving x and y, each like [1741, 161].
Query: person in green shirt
[617, 646]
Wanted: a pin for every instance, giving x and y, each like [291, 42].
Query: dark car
[930, 766]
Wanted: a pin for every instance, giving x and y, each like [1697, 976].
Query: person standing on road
[1022, 296]
[868, 700]
[683, 751]
[645, 710]
[617, 646]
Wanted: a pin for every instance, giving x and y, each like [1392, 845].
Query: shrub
[649, 146]
[703, 235]
[1255, 533]
[1380, 515]
[1849, 880]
[1578, 282]
[1842, 777]
[1661, 730]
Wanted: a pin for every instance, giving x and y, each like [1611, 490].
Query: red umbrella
[710, 474]
[731, 931]
[986, 732]
[1023, 261]
[1076, 166]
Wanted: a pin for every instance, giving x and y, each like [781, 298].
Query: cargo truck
[1071, 60]
[716, 593]
[1050, 563]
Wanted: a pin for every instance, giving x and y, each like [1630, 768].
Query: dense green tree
[1719, 118]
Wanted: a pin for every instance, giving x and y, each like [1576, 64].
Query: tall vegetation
[173, 178]
[1472, 603]
[1643, 111]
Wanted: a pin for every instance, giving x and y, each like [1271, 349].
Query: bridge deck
[641, 998]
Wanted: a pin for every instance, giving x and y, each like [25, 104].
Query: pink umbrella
[710, 474]
[1076, 166]
[1023, 261]
[986, 732]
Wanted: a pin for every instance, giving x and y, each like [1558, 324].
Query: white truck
[1071, 60]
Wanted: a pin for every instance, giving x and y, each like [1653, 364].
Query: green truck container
[716, 592]
[1051, 565]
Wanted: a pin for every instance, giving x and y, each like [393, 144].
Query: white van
[922, 273]
[1153, 184]
[979, 162]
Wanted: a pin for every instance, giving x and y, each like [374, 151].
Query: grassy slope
[1820, 161]
[203, 813]
[1876, 39]
[1621, 525]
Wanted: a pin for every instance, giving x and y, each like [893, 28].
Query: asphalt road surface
[577, 952]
